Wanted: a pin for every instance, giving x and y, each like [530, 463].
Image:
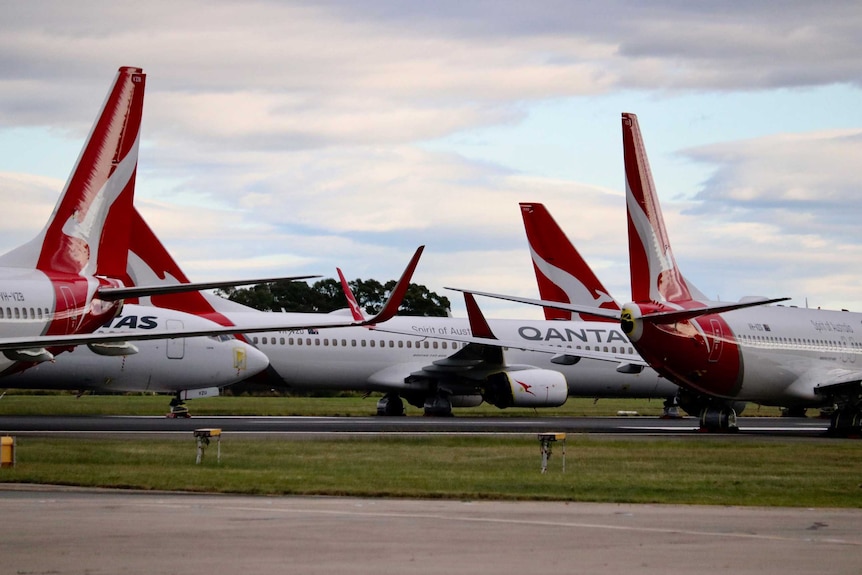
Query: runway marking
[520, 522]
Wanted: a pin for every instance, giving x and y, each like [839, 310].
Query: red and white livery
[751, 351]
[52, 284]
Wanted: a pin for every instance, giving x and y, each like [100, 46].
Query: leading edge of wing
[113, 294]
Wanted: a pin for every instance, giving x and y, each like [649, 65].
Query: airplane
[786, 356]
[188, 368]
[769, 354]
[415, 360]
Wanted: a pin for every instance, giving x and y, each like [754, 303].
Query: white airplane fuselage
[160, 365]
[364, 359]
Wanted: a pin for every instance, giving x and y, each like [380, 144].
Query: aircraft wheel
[718, 419]
[846, 422]
[390, 405]
[438, 406]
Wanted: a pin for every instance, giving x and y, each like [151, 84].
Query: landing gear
[846, 418]
[671, 409]
[846, 422]
[793, 411]
[438, 406]
[390, 405]
[178, 408]
[718, 420]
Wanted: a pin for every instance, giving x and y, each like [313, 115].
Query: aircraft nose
[255, 360]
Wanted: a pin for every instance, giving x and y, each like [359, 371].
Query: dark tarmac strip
[60, 531]
[749, 426]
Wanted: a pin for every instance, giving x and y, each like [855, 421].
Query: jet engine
[526, 388]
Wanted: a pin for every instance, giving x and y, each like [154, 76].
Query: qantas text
[569, 335]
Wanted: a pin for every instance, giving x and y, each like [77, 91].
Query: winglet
[355, 309]
[478, 324]
[390, 308]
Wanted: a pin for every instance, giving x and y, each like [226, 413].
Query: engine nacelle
[526, 388]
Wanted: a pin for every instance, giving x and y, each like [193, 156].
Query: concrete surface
[59, 531]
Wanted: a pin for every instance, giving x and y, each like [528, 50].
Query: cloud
[800, 183]
[292, 134]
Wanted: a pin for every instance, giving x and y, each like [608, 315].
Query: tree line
[325, 296]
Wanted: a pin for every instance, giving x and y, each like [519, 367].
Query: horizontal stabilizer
[666, 317]
[583, 309]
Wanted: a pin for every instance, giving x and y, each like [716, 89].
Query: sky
[291, 137]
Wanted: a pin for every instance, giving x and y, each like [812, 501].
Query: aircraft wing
[118, 293]
[522, 345]
[662, 317]
[833, 381]
[483, 336]
[10, 344]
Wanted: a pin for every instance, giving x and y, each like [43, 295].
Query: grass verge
[677, 471]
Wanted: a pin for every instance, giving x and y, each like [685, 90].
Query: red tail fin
[561, 273]
[654, 273]
[150, 264]
[88, 233]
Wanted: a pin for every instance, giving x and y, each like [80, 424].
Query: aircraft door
[69, 309]
[175, 347]
[717, 340]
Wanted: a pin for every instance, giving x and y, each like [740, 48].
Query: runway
[749, 426]
[56, 530]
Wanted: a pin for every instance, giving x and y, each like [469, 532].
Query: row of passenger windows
[23, 313]
[334, 342]
[424, 344]
[796, 341]
[602, 348]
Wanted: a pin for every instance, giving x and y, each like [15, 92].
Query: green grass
[699, 470]
[145, 404]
